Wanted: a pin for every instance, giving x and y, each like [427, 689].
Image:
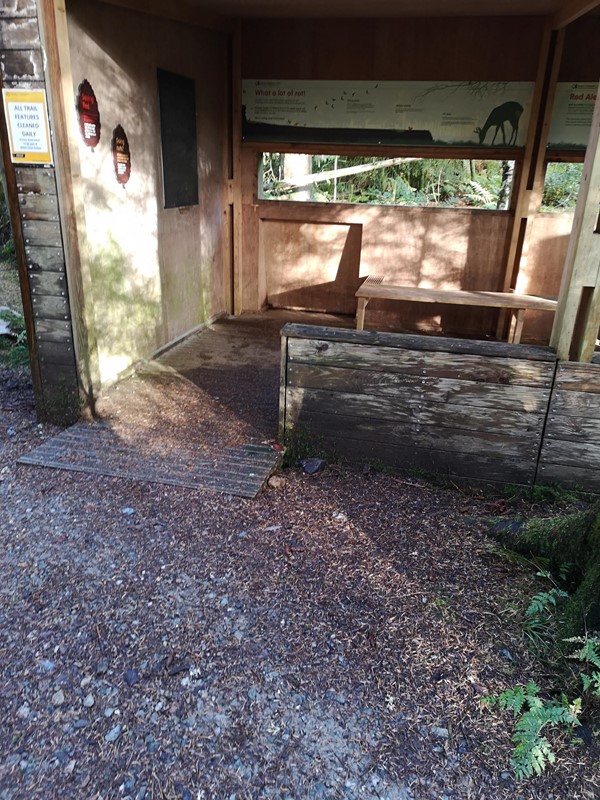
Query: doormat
[97, 449]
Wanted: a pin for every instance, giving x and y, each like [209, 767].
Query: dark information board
[177, 100]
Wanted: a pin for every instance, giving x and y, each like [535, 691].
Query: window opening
[561, 186]
[468, 183]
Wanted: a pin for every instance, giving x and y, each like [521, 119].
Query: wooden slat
[429, 344]
[42, 233]
[50, 308]
[48, 283]
[438, 365]
[35, 179]
[59, 376]
[454, 297]
[575, 404]
[19, 34]
[39, 207]
[574, 428]
[53, 330]
[575, 477]
[45, 258]
[516, 424]
[21, 65]
[480, 470]
[56, 353]
[571, 453]
[17, 8]
[578, 378]
[441, 390]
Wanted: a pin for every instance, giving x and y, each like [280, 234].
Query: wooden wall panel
[570, 453]
[581, 53]
[308, 262]
[487, 49]
[469, 410]
[38, 234]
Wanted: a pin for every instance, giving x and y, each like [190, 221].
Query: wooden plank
[431, 437]
[575, 477]
[59, 375]
[517, 424]
[36, 179]
[572, 377]
[574, 427]
[283, 382]
[53, 330]
[21, 65]
[404, 387]
[50, 307]
[454, 297]
[575, 404]
[45, 258]
[56, 353]
[481, 469]
[36, 232]
[18, 8]
[438, 365]
[420, 343]
[19, 34]
[571, 453]
[48, 283]
[39, 207]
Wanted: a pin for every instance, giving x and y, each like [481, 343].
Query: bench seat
[518, 304]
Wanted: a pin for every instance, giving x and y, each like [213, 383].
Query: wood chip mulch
[332, 639]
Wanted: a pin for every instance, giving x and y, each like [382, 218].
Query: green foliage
[561, 186]
[544, 602]
[13, 348]
[7, 248]
[532, 751]
[300, 442]
[589, 653]
[413, 182]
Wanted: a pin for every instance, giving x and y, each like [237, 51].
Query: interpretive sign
[121, 155]
[572, 115]
[26, 114]
[457, 113]
[88, 114]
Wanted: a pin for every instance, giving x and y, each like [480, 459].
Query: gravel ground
[331, 639]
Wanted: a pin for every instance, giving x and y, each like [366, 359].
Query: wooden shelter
[146, 222]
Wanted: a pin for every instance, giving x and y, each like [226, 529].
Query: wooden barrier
[466, 409]
[570, 454]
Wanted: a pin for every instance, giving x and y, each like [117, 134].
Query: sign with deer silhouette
[455, 113]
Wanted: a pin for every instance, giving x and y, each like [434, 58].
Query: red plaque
[121, 155]
[88, 113]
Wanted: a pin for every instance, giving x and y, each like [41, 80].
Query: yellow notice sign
[28, 126]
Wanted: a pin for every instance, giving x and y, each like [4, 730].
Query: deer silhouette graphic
[508, 112]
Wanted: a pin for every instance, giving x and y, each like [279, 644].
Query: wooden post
[530, 186]
[236, 182]
[578, 315]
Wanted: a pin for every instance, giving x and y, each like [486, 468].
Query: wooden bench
[518, 304]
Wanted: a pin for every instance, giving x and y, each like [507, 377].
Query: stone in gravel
[24, 711]
[80, 724]
[102, 667]
[312, 466]
[128, 511]
[47, 666]
[88, 701]
[440, 733]
[132, 676]
[276, 481]
[114, 733]
[58, 698]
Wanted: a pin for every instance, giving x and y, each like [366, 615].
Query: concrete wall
[154, 273]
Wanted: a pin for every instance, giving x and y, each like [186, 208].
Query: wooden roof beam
[572, 10]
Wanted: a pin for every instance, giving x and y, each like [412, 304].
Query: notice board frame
[179, 139]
